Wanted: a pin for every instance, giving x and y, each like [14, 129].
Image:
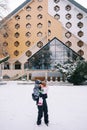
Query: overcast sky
[82, 2]
[15, 3]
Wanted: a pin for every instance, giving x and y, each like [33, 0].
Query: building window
[16, 34]
[49, 23]
[57, 16]
[40, 16]
[49, 32]
[39, 34]
[16, 43]
[17, 26]
[28, 25]
[56, 1]
[56, 8]
[81, 52]
[68, 16]
[68, 34]
[6, 65]
[80, 33]
[68, 25]
[80, 43]
[80, 24]
[39, 25]
[16, 52]
[68, 8]
[17, 65]
[28, 8]
[5, 44]
[27, 43]
[39, 8]
[28, 17]
[5, 35]
[68, 43]
[79, 16]
[54, 52]
[39, 44]
[17, 17]
[28, 53]
[28, 34]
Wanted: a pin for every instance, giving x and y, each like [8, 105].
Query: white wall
[74, 11]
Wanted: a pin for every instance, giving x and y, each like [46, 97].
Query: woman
[42, 104]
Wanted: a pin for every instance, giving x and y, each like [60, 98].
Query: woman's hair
[43, 83]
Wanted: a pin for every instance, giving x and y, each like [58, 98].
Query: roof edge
[78, 5]
[55, 38]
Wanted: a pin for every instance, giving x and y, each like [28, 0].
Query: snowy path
[67, 108]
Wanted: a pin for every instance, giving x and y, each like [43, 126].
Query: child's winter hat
[37, 81]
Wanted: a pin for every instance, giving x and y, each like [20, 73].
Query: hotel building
[41, 33]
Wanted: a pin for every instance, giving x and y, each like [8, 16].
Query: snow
[67, 107]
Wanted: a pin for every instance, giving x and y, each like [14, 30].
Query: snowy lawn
[67, 107]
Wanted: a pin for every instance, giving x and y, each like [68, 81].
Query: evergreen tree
[79, 75]
[76, 72]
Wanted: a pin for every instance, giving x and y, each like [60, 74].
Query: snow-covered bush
[79, 75]
[76, 72]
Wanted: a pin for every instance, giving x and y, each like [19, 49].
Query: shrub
[76, 72]
[79, 75]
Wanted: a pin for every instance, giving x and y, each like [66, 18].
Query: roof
[78, 5]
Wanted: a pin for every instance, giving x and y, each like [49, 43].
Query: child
[42, 104]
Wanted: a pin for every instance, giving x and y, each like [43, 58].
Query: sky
[82, 2]
[15, 3]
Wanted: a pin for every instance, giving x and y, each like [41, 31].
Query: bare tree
[3, 25]
[3, 8]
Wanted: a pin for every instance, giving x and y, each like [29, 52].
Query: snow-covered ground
[67, 107]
